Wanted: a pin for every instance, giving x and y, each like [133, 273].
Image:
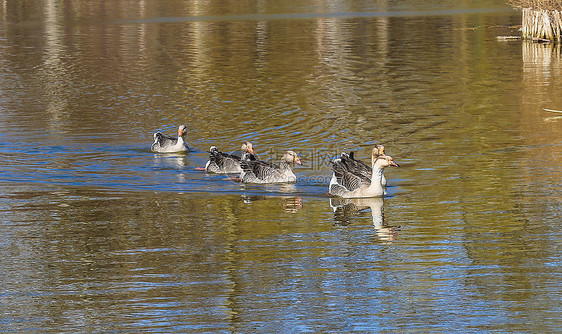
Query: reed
[541, 19]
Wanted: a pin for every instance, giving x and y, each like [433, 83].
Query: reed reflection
[346, 209]
[541, 71]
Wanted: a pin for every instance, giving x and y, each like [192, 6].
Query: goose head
[182, 131]
[247, 147]
[214, 150]
[383, 161]
[379, 150]
[291, 157]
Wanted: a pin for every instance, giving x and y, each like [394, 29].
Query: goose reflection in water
[170, 160]
[346, 208]
[278, 188]
[290, 204]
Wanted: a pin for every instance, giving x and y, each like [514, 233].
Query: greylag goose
[266, 172]
[167, 144]
[220, 162]
[350, 181]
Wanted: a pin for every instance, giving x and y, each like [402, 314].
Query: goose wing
[223, 159]
[260, 169]
[348, 180]
[164, 140]
[358, 167]
[347, 176]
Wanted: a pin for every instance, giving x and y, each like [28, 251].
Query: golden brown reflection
[478, 187]
[540, 128]
[347, 208]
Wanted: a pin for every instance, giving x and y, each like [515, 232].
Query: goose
[349, 179]
[265, 172]
[220, 162]
[167, 144]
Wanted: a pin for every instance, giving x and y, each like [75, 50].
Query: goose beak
[251, 150]
[392, 163]
[297, 160]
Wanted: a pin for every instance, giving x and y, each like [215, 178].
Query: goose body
[266, 172]
[365, 169]
[220, 162]
[360, 167]
[168, 144]
[350, 178]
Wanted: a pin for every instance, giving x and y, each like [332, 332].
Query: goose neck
[376, 180]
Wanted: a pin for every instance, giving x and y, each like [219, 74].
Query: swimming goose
[349, 179]
[266, 172]
[167, 144]
[220, 162]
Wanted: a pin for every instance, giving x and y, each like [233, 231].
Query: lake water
[98, 234]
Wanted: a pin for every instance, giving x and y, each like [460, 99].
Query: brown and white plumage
[350, 179]
[266, 172]
[168, 144]
[220, 162]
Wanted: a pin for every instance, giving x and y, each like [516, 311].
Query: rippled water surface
[98, 234]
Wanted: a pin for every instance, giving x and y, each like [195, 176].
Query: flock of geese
[351, 178]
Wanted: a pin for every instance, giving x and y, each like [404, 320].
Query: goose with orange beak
[168, 144]
[265, 172]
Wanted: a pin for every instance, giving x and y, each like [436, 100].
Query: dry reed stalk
[537, 4]
[542, 24]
